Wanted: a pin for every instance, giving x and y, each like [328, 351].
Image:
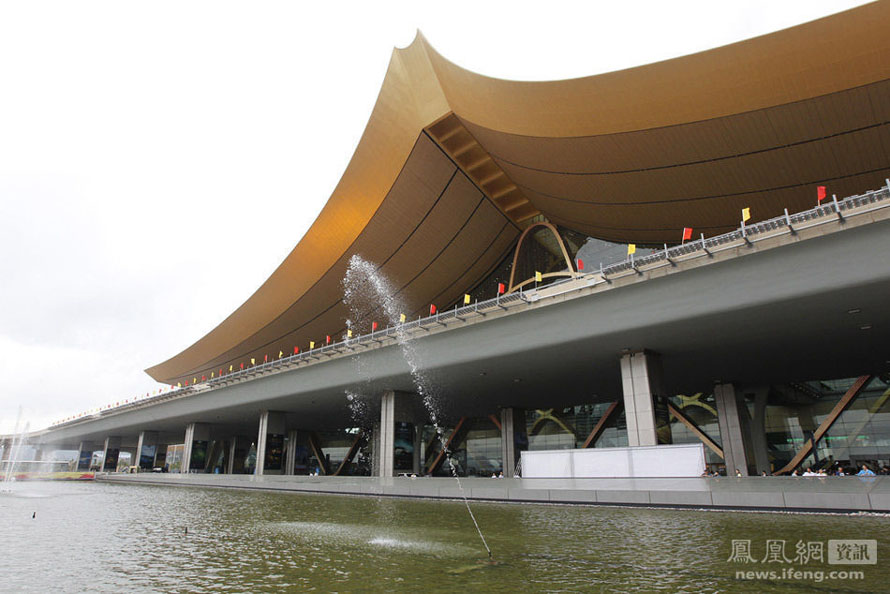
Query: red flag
[432, 310]
[203, 378]
[501, 288]
[327, 339]
[373, 326]
[580, 264]
[821, 193]
[242, 367]
[296, 350]
[265, 358]
[220, 371]
[687, 233]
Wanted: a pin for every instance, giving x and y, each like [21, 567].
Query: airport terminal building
[692, 251]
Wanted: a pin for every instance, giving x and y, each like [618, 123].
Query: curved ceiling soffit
[421, 89]
[430, 248]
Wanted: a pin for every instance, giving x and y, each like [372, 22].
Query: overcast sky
[159, 160]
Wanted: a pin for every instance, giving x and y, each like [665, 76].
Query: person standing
[866, 471]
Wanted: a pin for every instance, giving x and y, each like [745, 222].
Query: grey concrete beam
[576, 337]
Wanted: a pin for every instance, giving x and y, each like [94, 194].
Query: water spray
[364, 285]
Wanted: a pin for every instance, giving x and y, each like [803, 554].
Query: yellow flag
[349, 333]
[631, 248]
[280, 354]
[230, 368]
[194, 380]
[538, 277]
[311, 344]
[466, 299]
[178, 384]
[402, 318]
[252, 361]
[746, 214]
[211, 375]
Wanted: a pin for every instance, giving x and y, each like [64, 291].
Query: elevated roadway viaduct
[783, 306]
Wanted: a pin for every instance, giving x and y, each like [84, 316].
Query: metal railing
[749, 233]
[745, 234]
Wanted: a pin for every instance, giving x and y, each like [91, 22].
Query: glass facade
[777, 420]
[481, 453]
[217, 457]
[700, 409]
[860, 435]
[335, 446]
[475, 449]
[568, 428]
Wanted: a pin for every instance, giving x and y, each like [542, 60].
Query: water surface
[111, 538]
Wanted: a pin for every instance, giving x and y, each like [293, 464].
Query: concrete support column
[732, 420]
[376, 455]
[290, 454]
[396, 410]
[261, 443]
[140, 443]
[110, 452]
[147, 440]
[757, 432]
[641, 382]
[194, 450]
[387, 434]
[85, 454]
[513, 439]
[78, 457]
[270, 440]
[230, 462]
[185, 465]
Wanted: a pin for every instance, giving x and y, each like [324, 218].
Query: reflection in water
[113, 538]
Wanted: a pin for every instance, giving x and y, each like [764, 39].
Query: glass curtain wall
[568, 428]
[701, 409]
[860, 435]
[475, 448]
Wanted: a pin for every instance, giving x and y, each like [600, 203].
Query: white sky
[159, 160]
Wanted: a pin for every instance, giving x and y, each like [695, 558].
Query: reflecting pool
[112, 538]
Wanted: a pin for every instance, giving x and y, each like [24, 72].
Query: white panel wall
[684, 460]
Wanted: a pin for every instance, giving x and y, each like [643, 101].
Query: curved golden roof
[452, 165]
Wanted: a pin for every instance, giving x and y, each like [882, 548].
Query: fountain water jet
[15, 447]
[365, 291]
